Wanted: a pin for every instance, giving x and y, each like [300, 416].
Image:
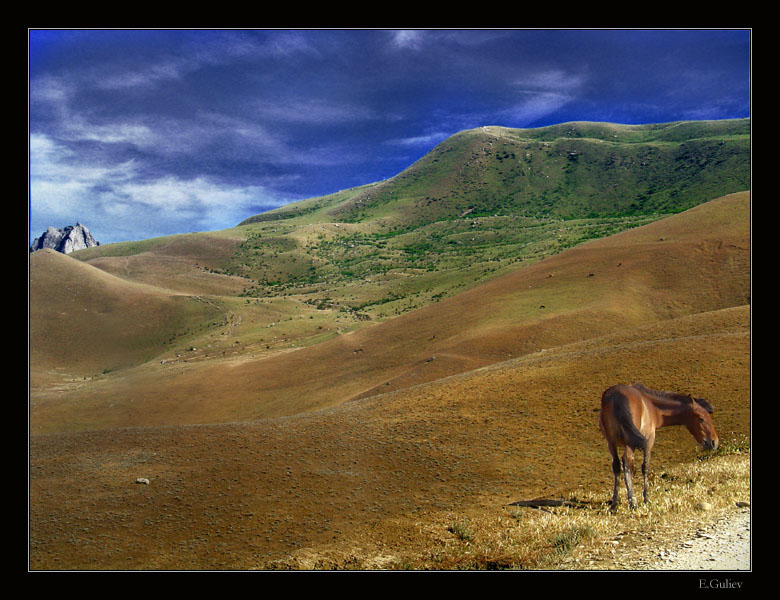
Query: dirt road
[722, 546]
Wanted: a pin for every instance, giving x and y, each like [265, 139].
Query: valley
[338, 383]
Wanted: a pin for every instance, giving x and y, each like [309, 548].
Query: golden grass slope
[382, 482]
[183, 263]
[690, 263]
[84, 321]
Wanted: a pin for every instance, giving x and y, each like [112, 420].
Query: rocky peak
[66, 240]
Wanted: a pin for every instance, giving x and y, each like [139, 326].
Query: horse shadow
[546, 503]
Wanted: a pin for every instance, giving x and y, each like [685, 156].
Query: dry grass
[586, 534]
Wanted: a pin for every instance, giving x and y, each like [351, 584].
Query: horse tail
[616, 398]
[632, 436]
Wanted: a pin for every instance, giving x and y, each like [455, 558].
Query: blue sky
[143, 133]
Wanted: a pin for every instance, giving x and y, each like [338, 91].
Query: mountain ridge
[559, 153]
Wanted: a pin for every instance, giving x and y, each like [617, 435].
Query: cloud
[421, 140]
[115, 203]
[534, 107]
[553, 80]
[49, 90]
[542, 93]
[198, 201]
[412, 39]
[150, 77]
[315, 111]
[136, 134]
[166, 56]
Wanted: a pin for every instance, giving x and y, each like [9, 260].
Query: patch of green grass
[487, 199]
[728, 447]
[461, 531]
[565, 541]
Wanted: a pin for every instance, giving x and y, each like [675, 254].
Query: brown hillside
[91, 322]
[686, 264]
[182, 263]
[377, 483]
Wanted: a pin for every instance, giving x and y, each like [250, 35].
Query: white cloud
[215, 49]
[412, 39]
[147, 78]
[313, 111]
[550, 81]
[49, 90]
[542, 93]
[112, 202]
[137, 134]
[536, 106]
[420, 140]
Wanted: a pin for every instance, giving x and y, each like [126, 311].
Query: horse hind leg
[645, 468]
[616, 477]
[628, 460]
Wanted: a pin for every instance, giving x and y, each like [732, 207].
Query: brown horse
[629, 416]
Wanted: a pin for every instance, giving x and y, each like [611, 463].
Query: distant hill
[85, 322]
[483, 201]
[571, 170]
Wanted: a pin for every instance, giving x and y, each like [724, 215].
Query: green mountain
[572, 170]
[486, 199]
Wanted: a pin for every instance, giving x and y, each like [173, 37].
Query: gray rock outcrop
[65, 240]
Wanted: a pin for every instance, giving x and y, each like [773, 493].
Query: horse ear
[705, 405]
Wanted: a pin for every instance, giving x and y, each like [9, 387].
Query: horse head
[699, 423]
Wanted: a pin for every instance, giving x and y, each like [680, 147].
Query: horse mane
[662, 395]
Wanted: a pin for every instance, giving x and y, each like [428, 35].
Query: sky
[144, 133]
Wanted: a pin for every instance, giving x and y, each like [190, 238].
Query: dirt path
[722, 546]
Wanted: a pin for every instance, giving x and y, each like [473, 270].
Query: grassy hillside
[479, 205]
[572, 170]
[482, 202]
[682, 265]
[85, 322]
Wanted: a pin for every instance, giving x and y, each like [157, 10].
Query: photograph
[374, 300]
